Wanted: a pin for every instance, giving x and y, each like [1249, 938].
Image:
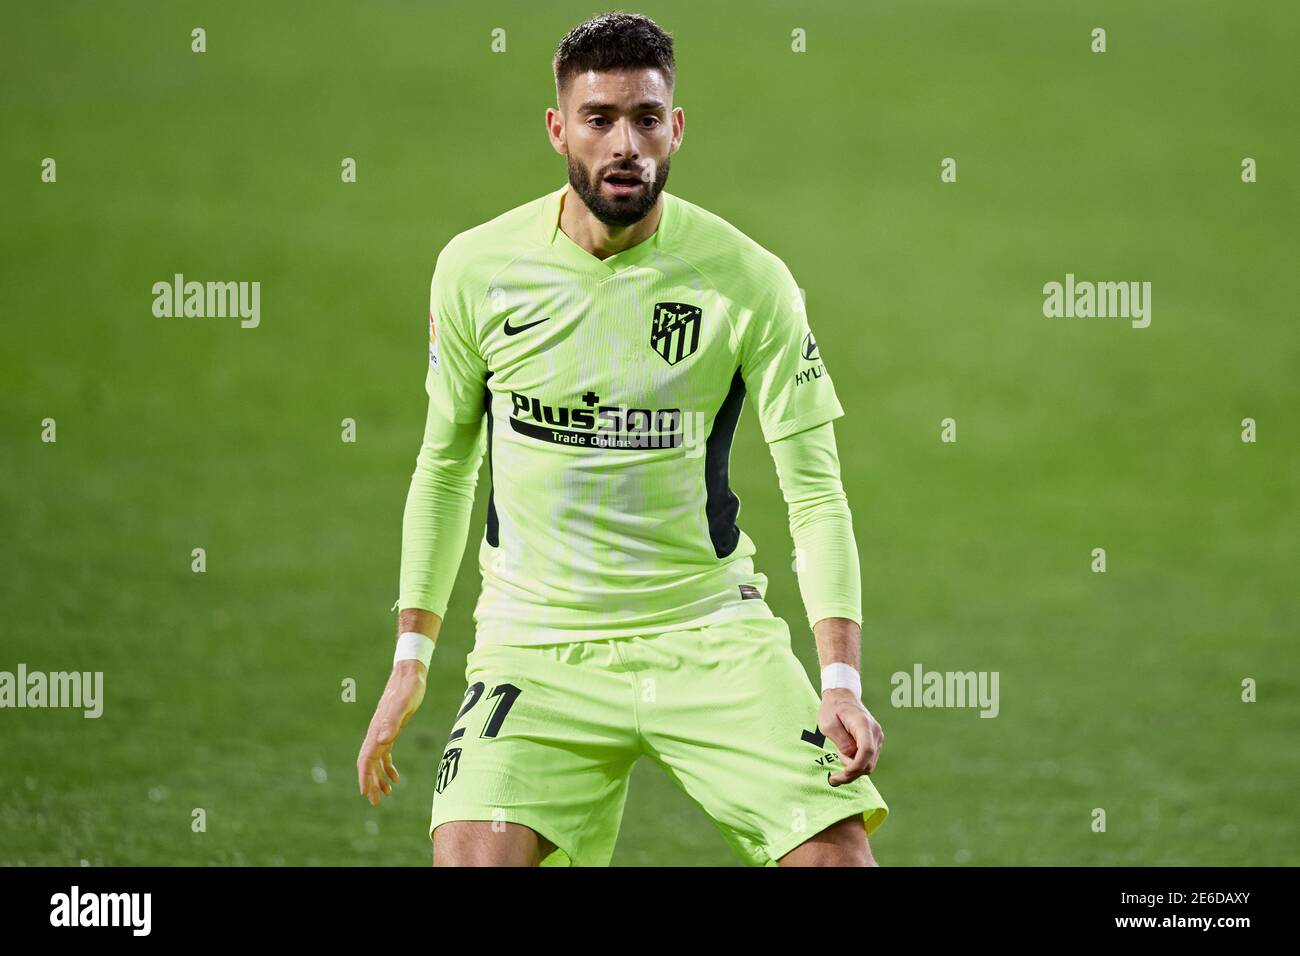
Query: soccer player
[598, 343]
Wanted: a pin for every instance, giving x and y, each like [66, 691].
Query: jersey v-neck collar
[559, 240]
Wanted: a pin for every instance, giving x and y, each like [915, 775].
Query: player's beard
[621, 212]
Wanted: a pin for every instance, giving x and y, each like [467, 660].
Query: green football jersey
[612, 390]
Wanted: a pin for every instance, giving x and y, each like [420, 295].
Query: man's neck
[600, 240]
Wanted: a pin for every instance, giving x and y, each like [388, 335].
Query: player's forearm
[821, 526]
[838, 640]
[826, 554]
[435, 521]
[435, 524]
[419, 621]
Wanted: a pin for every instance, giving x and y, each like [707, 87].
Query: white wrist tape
[844, 675]
[413, 646]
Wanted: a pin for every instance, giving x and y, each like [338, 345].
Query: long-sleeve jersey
[605, 394]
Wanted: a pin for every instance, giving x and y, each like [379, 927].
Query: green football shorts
[547, 736]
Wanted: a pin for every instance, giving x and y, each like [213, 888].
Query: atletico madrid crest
[447, 769]
[675, 330]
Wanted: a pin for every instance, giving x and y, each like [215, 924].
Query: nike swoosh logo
[516, 329]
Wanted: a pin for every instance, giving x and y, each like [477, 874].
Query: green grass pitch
[1119, 691]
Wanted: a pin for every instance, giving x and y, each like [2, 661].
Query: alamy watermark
[1103, 300]
[213, 300]
[922, 688]
[82, 690]
[75, 908]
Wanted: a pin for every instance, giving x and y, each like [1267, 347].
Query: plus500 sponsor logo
[595, 425]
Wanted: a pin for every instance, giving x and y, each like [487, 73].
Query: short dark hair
[614, 41]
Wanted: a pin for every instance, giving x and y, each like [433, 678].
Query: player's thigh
[544, 739]
[843, 843]
[735, 725]
[484, 843]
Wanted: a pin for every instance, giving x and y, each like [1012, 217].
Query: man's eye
[653, 120]
[596, 119]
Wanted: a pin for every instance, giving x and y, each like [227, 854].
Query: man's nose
[624, 141]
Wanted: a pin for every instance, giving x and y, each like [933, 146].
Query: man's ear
[555, 130]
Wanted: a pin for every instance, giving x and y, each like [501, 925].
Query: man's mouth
[623, 184]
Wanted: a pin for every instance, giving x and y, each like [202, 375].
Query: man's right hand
[376, 773]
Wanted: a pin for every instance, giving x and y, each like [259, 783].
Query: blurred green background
[1118, 690]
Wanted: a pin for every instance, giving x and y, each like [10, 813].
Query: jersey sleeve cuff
[412, 602]
[826, 611]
